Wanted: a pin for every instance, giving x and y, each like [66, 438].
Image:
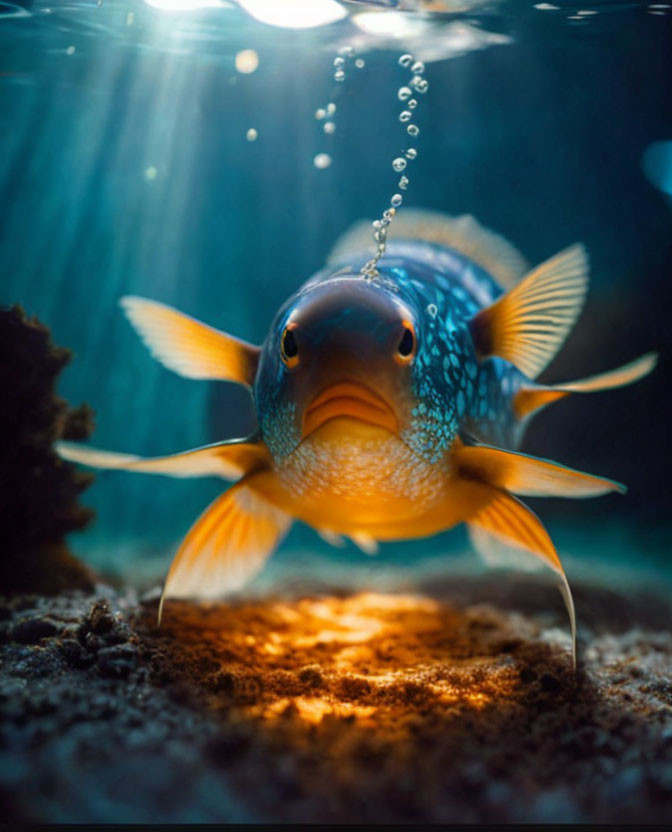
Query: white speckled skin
[350, 477]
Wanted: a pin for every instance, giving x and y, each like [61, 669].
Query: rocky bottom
[338, 707]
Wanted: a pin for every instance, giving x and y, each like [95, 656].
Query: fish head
[339, 358]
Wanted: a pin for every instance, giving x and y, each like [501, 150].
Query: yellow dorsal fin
[189, 347]
[230, 460]
[528, 400]
[487, 249]
[227, 545]
[514, 525]
[526, 475]
[528, 325]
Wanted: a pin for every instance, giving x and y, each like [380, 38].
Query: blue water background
[542, 139]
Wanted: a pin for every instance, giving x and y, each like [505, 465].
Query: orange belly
[351, 476]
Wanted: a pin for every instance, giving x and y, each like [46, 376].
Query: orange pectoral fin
[189, 347]
[503, 527]
[527, 475]
[229, 460]
[227, 545]
[529, 324]
[507, 518]
[528, 400]
[514, 525]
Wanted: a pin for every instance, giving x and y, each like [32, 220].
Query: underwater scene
[316, 318]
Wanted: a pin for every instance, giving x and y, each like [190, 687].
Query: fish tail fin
[230, 459]
[506, 532]
[530, 399]
[226, 546]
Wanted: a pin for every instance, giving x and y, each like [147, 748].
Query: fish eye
[289, 347]
[407, 344]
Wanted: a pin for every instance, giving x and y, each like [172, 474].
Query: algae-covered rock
[38, 491]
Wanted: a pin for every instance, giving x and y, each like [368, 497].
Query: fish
[389, 407]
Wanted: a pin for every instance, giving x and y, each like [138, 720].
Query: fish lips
[350, 399]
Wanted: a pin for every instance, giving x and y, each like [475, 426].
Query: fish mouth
[350, 399]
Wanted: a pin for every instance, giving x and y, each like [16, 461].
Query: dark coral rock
[38, 491]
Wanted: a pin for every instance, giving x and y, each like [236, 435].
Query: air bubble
[322, 161]
[405, 94]
[320, 113]
[331, 108]
[247, 61]
[339, 63]
[346, 50]
[329, 127]
[432, 310]
[251, 135]
[360, 63]
[339, 75]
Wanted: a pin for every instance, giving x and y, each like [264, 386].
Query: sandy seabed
[455, 704]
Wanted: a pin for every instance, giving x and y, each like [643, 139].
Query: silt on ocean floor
[424, 162]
